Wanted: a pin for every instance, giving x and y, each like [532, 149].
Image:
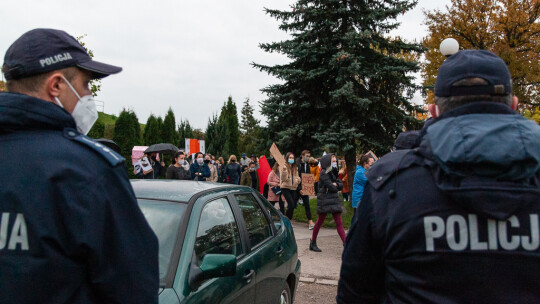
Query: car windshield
[164, 218]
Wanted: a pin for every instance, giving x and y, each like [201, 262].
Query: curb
[318, 281]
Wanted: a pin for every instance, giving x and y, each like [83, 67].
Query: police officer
[456, 219]
[70, 227]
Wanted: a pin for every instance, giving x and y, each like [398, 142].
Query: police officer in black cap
[70, 227]
[456, 219]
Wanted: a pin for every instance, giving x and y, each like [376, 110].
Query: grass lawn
[346, 216]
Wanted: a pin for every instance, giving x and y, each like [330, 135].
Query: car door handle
[279, 250]
[248, 276]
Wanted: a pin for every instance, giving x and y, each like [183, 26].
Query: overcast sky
[187, 55]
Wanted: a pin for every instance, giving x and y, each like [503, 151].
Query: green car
[219, 243]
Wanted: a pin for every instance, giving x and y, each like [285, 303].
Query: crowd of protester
[283, 184]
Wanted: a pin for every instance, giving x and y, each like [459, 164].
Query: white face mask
[85, 113]
[334, 165]
[200, 160]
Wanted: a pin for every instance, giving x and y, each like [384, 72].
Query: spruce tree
[126, 135]
[168, 132]
[249, 128]
[151, 131]
[215, 141]
[160, 127]
[348, 85]
[98, 130]
[184, 131]
[229, 119]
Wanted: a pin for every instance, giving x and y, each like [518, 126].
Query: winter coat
[213, 173]
[174, 172]
[315, 171]
[344, 179]
[454, 220]
[195, 167]
[232, 173]
[328, 200]
[71, 230]
[359, 184]
[288, 181]
[273, 181]
[247, 181]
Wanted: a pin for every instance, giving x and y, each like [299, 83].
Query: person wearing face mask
[315, 170]
[199, 169]
[179, 169]
[75, 228]
[213, 169]
[232, 171]
[328, 200]
[289, 183]
[303, 167]
[359, 182]
[250, 177]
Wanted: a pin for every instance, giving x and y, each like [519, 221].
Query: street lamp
[449, 47]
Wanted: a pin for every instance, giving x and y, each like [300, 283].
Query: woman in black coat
[328, 200]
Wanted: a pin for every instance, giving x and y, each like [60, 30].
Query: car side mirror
[212, 266]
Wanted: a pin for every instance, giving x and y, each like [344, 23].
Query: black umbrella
[162, 148]
[109, 143]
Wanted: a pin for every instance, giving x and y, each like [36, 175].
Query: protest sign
[137, 166]
[308, 184]
[372, 155]
[146, 166]
[274, 151]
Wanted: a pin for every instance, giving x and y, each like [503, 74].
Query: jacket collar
[23, 112]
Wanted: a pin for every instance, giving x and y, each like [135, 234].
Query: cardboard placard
[308, 184]
[372, 155]
[274, 151]
[137, 167]
[146, 166]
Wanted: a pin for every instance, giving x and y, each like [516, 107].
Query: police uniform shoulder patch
[389, 165]
[112, 157]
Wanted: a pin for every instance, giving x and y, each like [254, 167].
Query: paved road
[320, 270]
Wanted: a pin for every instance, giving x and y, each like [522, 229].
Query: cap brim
[99, 69]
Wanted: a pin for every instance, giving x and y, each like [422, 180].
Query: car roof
[174, 190]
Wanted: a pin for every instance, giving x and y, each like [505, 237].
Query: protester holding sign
[289, 182]
[303, 168]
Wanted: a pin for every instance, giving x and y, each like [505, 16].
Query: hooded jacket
[456, 220]
[328, 200]
[71, 230]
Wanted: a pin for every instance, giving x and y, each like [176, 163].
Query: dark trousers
[281, 205]
[305, 201]
[345, 196]
[291, 203]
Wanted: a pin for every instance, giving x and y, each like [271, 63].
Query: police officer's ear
[514, 103]
[434, 110]
[54, 86]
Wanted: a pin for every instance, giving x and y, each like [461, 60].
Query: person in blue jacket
[457, 218]
[360, 180]
[70, 227]
[199, 169]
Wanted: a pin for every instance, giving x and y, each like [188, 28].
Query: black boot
[313, 246]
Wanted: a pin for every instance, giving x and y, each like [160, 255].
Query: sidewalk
[319, 267]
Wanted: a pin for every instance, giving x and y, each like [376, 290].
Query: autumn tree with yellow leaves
[509, 28]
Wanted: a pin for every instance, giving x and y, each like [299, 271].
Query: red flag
[194, 146]
[264, 170]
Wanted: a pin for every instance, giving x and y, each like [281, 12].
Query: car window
[274, 214]
[217, 232]
[164, 218]
[256, 223]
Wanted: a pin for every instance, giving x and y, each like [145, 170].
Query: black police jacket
[456, 220]
[70, 228]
